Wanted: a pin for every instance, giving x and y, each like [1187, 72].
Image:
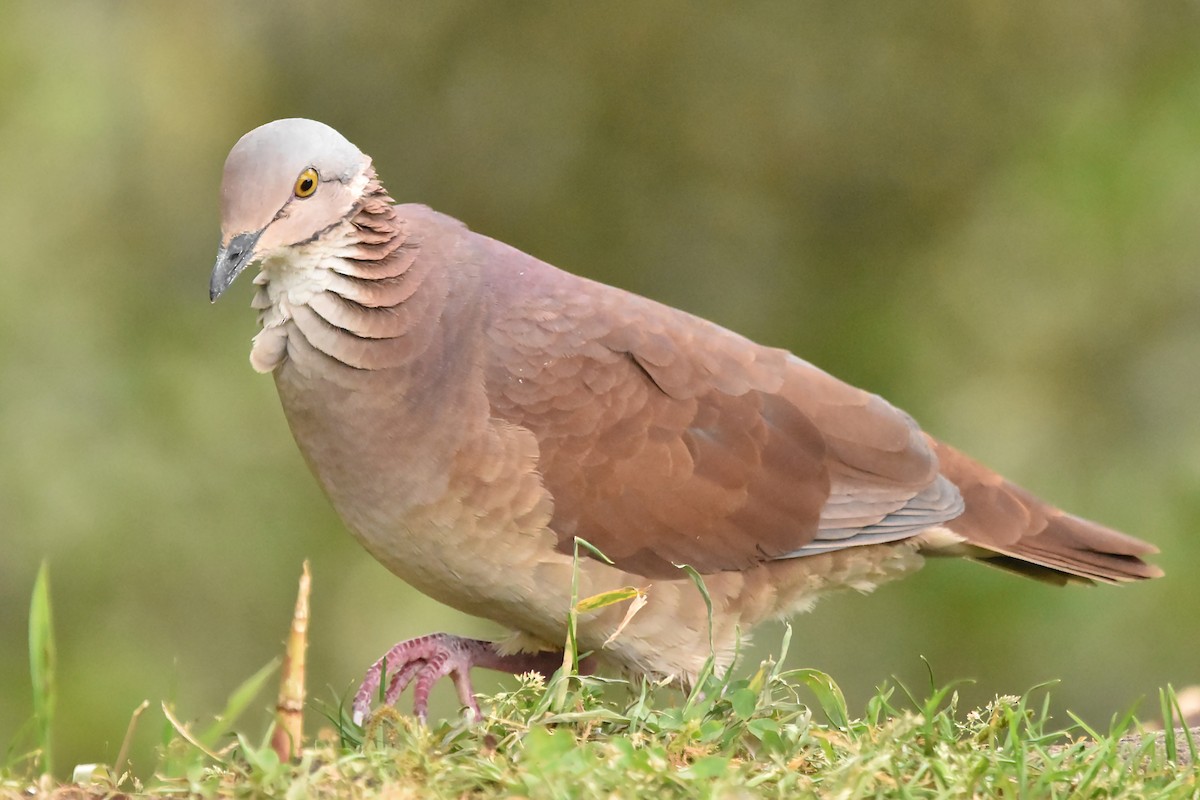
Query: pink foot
[428, 658]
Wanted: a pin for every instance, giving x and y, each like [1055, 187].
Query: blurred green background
[986, 212]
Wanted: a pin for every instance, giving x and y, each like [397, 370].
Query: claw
[422, 661]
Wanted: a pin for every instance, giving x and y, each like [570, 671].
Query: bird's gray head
[285, 183]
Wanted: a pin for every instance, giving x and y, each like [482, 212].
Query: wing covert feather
[666, 439]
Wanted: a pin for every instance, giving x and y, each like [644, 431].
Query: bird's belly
[443, 550]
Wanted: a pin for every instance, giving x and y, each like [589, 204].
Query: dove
[472, 413]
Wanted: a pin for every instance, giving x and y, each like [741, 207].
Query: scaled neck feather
[348, 297]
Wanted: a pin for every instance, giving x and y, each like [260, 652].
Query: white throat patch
[292, 276]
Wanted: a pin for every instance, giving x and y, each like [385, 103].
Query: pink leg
[400, 681]
[437, 655]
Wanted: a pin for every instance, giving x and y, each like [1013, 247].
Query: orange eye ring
[306, 184]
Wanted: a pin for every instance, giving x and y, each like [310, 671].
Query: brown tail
[1011, 528]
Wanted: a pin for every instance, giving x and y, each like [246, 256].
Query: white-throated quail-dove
[471, 410]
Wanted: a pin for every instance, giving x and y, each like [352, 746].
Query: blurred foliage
[986, 212]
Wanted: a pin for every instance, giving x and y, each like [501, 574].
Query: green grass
[773, 734]
[739, 738]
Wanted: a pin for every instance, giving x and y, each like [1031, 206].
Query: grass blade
[182, 731]
[42, 666]
[241, 697]
[698, 580]
[123, 753]
[829, 695]
[1164, 703]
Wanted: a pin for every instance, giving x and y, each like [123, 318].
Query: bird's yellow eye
[306, 184]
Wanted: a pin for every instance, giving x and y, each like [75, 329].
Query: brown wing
[1027, 535]
[665, 439]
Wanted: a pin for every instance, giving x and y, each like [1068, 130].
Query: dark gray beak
[231, 260]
